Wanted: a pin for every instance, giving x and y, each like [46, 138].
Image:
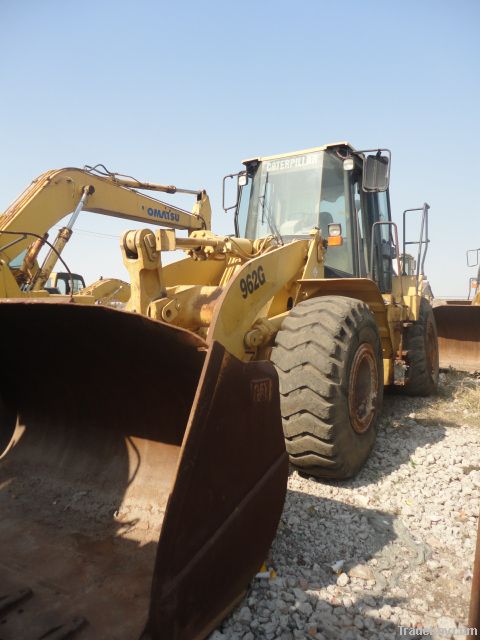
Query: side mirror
[376, 172]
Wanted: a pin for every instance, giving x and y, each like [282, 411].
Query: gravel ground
[392, 547]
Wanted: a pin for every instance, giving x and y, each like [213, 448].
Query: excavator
[458, 324]
[50, 198]
[150, 489]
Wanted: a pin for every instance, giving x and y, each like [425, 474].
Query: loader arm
[247, 298]
[56, 193]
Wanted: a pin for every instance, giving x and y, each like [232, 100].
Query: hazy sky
[179, 93]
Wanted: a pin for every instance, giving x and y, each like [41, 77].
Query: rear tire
[329, 361]
[421, 344]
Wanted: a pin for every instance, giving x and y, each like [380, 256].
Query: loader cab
[288, 196]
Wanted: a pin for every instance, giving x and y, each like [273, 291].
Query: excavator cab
[65, 283]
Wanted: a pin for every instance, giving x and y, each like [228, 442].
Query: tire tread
[310, 355]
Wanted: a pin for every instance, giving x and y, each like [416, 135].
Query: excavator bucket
[458, 327]
[142, 475]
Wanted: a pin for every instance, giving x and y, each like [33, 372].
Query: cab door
[381, 263]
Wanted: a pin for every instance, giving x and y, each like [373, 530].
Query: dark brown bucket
[458, 327]
[142, 478]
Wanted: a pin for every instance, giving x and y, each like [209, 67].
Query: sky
[180, 93]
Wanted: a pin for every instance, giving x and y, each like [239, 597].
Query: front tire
[329, 360]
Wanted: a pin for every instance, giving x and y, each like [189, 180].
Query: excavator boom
[54, 194]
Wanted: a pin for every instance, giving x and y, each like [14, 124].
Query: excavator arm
[107, 290]
[56, 193]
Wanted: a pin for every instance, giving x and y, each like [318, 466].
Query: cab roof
[296, 153]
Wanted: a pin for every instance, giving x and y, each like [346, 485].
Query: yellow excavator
[458, 324]
[25, 226]
[150, 488]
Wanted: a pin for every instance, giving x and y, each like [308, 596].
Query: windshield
[285, 197]
[290, 196]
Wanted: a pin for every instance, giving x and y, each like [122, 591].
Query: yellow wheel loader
[458, 323]
[344, 325]
[151, 489]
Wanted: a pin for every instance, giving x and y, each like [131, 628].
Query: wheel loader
[150, 490]
[458, 324]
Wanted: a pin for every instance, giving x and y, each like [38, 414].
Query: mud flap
[458, 327]
[116, 416]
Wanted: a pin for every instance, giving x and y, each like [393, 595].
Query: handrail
[422, 243]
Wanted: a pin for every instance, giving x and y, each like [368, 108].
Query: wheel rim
[363, 388]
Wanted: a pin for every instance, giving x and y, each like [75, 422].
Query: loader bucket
[142, 477]
[458, 327]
